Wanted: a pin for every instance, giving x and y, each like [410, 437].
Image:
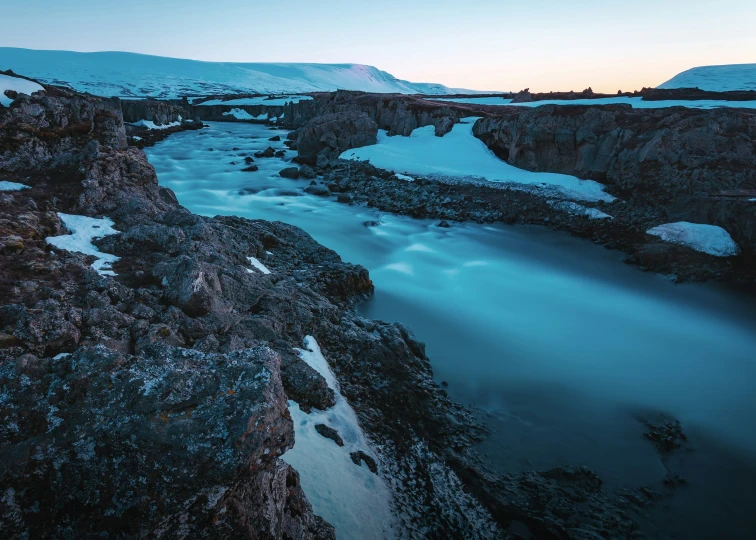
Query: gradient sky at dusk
[480, 44]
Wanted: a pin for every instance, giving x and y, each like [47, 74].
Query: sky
[480, 44]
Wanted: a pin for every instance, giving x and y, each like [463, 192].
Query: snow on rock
[17, 84]
[261, 100]
[257, 264]
[149, 124]
[128, 74]
[460, 154]
[404, 177]
[705, 238]
[634, 102]
[354, 500]
[239, 114]
[716, 78]
[579, 210]
[83, 230]
[11, 186]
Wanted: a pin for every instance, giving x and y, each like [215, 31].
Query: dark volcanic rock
[329, 433]
[251, 168]
[359, 457]
[326, 137]
[289, 172]
[267, 153]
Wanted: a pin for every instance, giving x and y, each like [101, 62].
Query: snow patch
[83, 230]
[257, 264]
[239, 114]
[149, 124]
[22, 86]
[705, 238]
[262, 100]
[350, 497]
[404, 177]
[460, 154]
[11, 186]
[579, 210]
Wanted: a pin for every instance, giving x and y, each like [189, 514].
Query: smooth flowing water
[556, 342]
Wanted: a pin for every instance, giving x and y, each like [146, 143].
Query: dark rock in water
[251, 168]
[280, 153]
[292, 135]
[329, 433]
[275, 138]
[267, 153]
[232, 163]
[444, 225]
[344, 198]
[372, 223]
[666, 433]
[248, 159]
[359, 456]
[305, 171]
[289, 172]
[318, 189]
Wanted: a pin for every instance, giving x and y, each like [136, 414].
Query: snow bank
[716, 78]
[22, 86]
[460, 154]
[128, 74]
[239, 114]
[83, 230]
[705, 238]
[11, 186]
[579, 210]
[635, 102]
[257, 264]
[149, 124]
[350, 497]
[262, 100]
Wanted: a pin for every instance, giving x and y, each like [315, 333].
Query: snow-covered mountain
[716, 78]
[138, 75]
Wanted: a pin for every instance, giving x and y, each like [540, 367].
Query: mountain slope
[716, 78]
[138, 75]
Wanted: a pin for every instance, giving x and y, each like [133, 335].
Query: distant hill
[716, 78]
[139, 75]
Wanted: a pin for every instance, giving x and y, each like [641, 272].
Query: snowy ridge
[725, 78]
[130, 74]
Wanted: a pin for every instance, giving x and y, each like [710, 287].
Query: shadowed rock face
[681, 160]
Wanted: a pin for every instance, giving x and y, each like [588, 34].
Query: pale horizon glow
[482, 44]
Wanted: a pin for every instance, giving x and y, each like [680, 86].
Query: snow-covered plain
[260, 100]
[634, 102]
[129, 74]
[354, 500]
[459, 154]
[11, 186]
[705, 238]
[716, 78]
[83, 230]
[17, 84]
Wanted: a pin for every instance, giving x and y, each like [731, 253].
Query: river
[557, 344]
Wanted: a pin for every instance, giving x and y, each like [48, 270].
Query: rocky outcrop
[324, 139]
[161, 112]
[684, 162]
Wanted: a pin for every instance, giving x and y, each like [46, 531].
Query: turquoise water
[554, 340]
